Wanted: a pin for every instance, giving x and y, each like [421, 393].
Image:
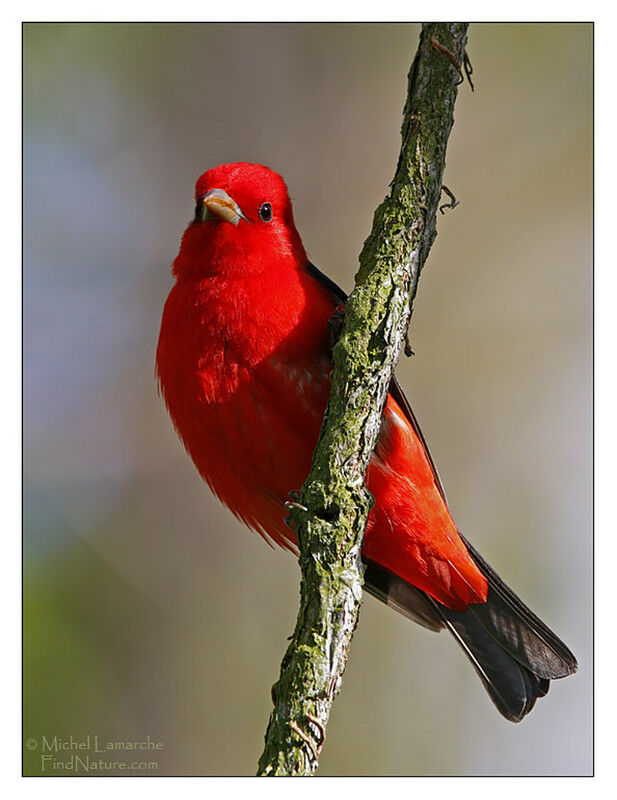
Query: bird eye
[265, 212]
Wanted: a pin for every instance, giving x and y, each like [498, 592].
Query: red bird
[244, 361]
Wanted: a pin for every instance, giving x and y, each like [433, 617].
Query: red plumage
[243, 363]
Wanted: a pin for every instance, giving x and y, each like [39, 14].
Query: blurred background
[148, 609]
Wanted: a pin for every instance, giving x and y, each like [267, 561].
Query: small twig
[468, 69]
[453, 201]
[450, 56]
[315, 747]
[289, 504]
[306, 739]
[321, 730]
[408, 351]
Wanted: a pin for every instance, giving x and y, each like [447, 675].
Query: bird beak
[217, 204]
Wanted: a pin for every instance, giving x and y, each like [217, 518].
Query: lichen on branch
[329, 512]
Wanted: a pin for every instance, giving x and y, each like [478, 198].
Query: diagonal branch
[333, 505]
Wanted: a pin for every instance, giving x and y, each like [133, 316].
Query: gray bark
[337, 504]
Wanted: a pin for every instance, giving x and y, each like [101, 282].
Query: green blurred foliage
[149, 610]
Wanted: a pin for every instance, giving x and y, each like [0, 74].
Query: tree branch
[332, 507]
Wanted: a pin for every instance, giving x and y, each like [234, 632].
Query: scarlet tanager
[243, 363]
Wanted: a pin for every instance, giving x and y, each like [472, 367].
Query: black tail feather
[513, 652]
[512, 687]
[401, 596]
[517, 629]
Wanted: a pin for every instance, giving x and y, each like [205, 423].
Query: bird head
[243, 223]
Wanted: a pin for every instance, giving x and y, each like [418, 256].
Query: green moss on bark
[377, 315]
